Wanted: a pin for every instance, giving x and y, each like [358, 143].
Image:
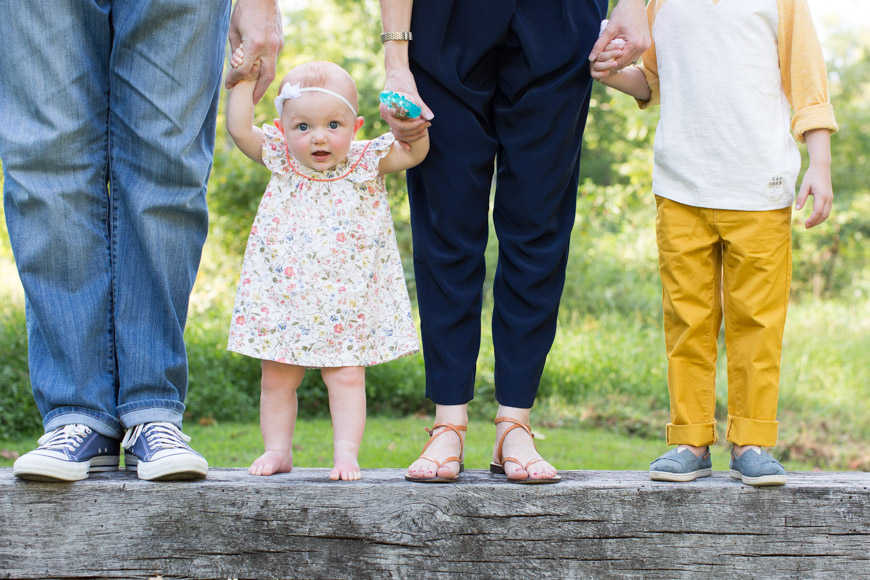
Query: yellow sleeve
[802, 67]
[650, 67]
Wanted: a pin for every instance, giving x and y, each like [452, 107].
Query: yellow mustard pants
[737, 263]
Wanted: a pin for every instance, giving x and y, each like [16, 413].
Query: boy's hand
[627, 22]
[817, 182]
[606, 62]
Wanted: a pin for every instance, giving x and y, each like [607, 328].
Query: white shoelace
[165, 435]
[68, 437]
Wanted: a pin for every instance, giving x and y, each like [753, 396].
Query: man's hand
[257, 24]
[628, 22]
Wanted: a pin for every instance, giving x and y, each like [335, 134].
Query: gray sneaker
[757, 467]
[681, 465]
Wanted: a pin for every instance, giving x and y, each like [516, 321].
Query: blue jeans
[107, 139]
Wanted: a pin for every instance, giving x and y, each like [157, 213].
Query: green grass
[397, 442]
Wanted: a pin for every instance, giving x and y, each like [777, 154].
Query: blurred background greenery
[607, 368]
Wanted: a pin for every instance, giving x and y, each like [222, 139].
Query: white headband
[289, 92]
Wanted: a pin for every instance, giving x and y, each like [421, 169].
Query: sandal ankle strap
[449, 427]
[515, 424]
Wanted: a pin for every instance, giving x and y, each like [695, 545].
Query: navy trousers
[508, 82]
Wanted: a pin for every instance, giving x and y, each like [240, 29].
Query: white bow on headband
[290, 92]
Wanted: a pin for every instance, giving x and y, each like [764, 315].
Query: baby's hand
[238, 58]
[400, 105]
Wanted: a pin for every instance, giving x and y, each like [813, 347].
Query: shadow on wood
[595, 524]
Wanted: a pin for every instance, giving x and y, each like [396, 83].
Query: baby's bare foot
[272, 462]
[346, 466]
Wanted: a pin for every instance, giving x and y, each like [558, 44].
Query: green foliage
[18, 413]
[831, 260]
[225, 386]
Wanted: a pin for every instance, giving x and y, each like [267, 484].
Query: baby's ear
[358, 123]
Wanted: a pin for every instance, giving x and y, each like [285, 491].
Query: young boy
[726, 73]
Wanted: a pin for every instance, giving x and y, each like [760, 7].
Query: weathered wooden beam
[595, 524]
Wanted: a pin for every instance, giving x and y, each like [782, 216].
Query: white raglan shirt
[727, 74]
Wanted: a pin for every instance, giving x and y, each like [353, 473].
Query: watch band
[385, 36]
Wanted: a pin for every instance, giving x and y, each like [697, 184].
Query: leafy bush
[18, 413]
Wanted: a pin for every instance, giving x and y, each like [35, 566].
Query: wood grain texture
[595, 524]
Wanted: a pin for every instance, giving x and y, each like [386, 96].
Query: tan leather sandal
[432, 437]
[497, 467]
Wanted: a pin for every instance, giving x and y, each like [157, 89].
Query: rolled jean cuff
[743, 431]
[99, 422]
[697, 435]
[134, 414]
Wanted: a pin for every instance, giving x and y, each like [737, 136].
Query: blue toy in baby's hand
[402, 106]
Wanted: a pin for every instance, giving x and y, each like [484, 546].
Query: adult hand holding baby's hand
[238, 58]
[257, 24]
[405, 129]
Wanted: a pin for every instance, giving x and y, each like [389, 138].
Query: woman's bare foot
[272, 462]
[447, 445]
[346, 466]
[520, 445]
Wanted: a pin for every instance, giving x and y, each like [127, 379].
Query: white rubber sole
[668, 476]
[175, 467]
[761, 480]
[42, 468]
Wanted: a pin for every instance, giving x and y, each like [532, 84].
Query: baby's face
[319, 129]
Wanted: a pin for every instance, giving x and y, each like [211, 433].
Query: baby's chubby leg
[347, 405]
[278, 406]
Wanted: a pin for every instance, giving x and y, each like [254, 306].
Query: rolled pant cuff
[744, 431]
[697, 435]
[99, 422]
[135, 414]
[440, 395]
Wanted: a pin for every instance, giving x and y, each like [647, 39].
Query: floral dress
[322, 283]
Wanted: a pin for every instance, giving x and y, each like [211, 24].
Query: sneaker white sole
[41, 468]
[761, 480]
[176, 467]
[690, 476]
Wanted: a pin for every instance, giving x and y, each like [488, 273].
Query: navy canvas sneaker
[68, 453]
[160, 451]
